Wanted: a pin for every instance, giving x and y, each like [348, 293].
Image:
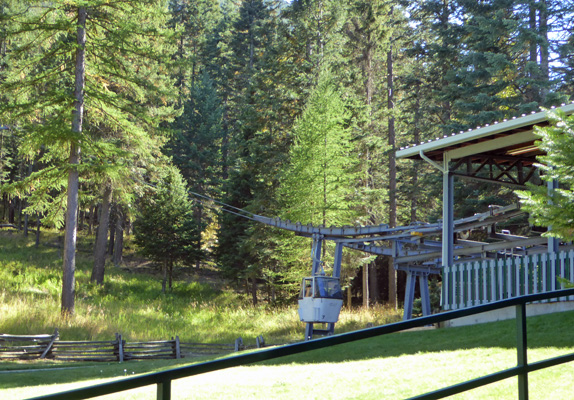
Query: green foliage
[554, 208]
[197, 141]
[165, 229]
[126, 93]
[318, 186]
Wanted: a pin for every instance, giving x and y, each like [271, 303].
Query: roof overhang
[505, 141]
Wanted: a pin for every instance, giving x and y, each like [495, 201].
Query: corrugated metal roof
[435, 149]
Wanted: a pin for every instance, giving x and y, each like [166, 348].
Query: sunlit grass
[132, 304]
[394, 366]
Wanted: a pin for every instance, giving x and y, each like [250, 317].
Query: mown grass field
[391, 367]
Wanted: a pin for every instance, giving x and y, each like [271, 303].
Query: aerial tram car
[320, 299]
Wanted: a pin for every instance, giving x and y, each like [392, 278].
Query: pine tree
[195, 20]
[165, 230]
[318, 186]
[256, 138]
[75, 69]
[196, 147]
[554, 208]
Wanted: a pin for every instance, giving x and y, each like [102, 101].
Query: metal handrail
[163, 379]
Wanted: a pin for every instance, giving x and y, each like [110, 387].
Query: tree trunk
[415, 175]
[101, 238]
[199, 219]
[68, 280]
[254, 291]
[91, 220]
[544, 47]
[11, 212]
[112, 228]
[374, 295]
[170, 275]
[366, 286]
[26, 221]
[38, 223]
[349, 297]
[19, 214]
[392, 284]
[164, 280]
[531, 92]
[119, 243]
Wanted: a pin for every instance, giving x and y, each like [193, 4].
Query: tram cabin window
[306, 288]
[329, 288]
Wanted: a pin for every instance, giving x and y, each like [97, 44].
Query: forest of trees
[291, 109]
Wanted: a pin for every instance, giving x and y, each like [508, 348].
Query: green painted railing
[163, 379]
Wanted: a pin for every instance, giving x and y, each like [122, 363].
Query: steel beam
[409, 296]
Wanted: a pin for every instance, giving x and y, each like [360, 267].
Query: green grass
[391, 367]
[132, 303]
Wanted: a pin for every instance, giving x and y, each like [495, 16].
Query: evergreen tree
[554, 208]
[74, 68]
[196, 146]
[195, 20]
[318, 186]
[436, 27]
[165, 229]
[368, 30]
[255, 143]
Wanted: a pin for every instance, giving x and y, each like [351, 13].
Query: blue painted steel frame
[163, 379]
[316, 270]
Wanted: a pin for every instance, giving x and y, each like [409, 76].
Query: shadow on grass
[50, 373]
[543, 331]
[554, 330]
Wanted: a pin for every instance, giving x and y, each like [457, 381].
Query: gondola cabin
[320, 299]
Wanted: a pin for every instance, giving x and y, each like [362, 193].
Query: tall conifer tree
[75, 67]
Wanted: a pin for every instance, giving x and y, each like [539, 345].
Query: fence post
[48, 349]
[521, 351]
[120, 347]
[238, 344]
[177, 349]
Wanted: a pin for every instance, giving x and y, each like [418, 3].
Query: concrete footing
[510, 313]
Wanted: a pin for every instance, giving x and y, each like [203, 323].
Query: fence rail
[479, 282]
[163, 379]
[30, 347]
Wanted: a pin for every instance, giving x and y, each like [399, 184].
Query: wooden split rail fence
[30, 347]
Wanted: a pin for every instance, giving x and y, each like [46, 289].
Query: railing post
[521, 351]
[164, 390]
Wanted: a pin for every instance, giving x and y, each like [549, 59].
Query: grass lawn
[391, 367]
[131, 303]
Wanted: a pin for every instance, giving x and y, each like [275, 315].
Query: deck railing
[163, 379]
[479, 282]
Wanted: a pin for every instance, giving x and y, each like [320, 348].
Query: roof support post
[447, 213]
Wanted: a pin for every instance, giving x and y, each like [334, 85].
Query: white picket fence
[478, 282]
